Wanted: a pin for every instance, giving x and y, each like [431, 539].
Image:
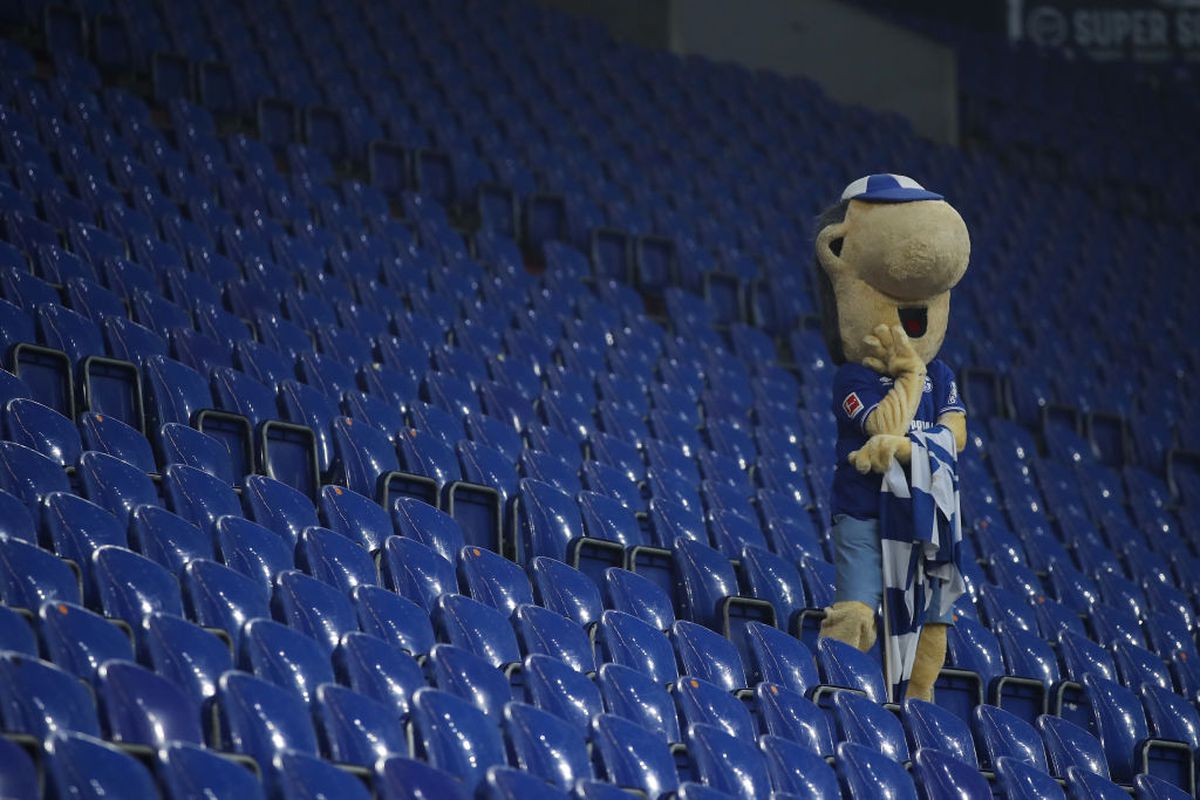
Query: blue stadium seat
[254, 551]
[29, 475]
[711, 593]
[38, 698]
[797, 771]
[77, 528]
[16, 521]
[726, 763]
[774, 578]
[30, 576]
[316, 609]
[637, 595]
[1068, 745]
[701, 702]
[278, 506]
[1121, 726]
[110, 435]
[565, 590]
[261, 720]
[335, 559]
[494, 580]
[557, 688]
[546, 746]
[16, 633]
[868, 773]
[791, 716]
[223, 598]
[18, 776]
[456, 737]
[552, 526]
[358, 730]
[416, 571]
[394, 619]
[199, 497]
[183, 444]
[300, 775]
[426, 524]
[627, 640]
[79, 640]
[187, 770]
[399, 778]
[142, 708]
[43, 429]
[543, 631]
[867, 723]
[186, 654]
[168, 538]
[284, 657]
[110, 773]
[1000, 734]
[941, 775]
[632, 756]
[704, 654]
[633, 695]
[369, 465]
[1017, 780]
[355, 516]
[931, 726]
[115, 485]
[476, 627]
[470, 676]
[847, 667]
[376, 669]
[130, 586]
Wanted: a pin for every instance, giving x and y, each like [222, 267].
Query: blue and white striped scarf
[921, 535]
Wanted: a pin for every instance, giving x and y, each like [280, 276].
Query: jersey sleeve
[947, 398]
[856, 392]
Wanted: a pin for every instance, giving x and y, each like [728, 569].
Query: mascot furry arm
[887, 256]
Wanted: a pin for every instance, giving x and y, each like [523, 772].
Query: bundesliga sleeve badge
[852, 405]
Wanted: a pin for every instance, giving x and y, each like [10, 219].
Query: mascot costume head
[888, 255]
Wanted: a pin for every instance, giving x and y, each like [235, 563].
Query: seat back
[376, 669]
[358, 729]
[38, 698]
[141, 707]
[628, 641]
[110, 772]
[867, 773]
[1001, 733]
[867, 723]
[727, 763]
[455, 736]
[708, 655]
[476, 627]
[631, 694]
[633, 756]
[546, 746]
[79, 640]
[791, 716]
[559, 689]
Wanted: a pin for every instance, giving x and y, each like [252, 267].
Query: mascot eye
[835, 245]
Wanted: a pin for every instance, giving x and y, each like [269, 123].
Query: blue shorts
[859, 566]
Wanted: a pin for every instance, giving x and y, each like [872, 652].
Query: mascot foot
[931, 654]
[851, 622]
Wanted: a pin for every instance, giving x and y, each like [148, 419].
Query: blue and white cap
[887, 188]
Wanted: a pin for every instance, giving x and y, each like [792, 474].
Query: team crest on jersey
[852, 405]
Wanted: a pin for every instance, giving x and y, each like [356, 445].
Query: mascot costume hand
[887, 256]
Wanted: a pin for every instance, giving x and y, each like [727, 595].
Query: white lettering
[1116, 28]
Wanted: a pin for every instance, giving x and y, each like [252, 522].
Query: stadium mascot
[887, 256]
